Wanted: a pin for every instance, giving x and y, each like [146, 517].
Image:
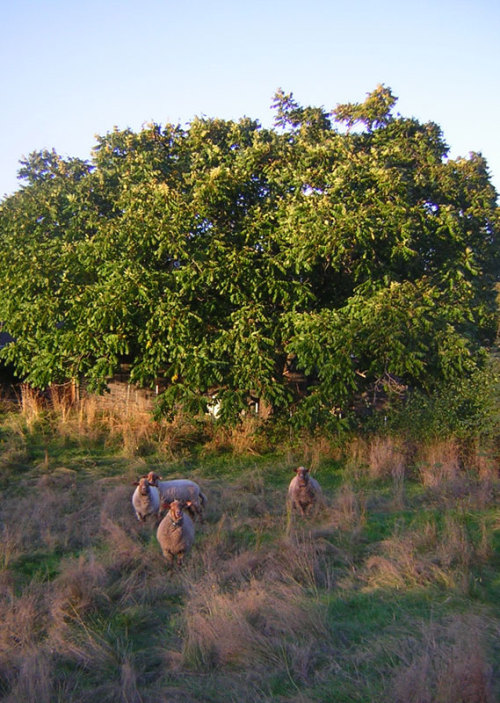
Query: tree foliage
[213, 255]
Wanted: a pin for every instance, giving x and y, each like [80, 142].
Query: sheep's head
[143, 484]
[175, 509]
[302, 476]
[153, 478]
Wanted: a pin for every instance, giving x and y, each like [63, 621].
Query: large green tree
[344, 243]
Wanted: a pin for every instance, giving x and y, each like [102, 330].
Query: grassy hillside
[392, 593]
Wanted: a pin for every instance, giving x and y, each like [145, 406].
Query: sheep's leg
[199, 513]
[169, 557]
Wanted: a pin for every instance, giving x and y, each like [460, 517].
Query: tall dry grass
[261, 621]
[245, 438]
[21, 644]
[130, 429]
[447, 663]
[386, 458]
[54, 514]
[428, 554]
[34, 678]
[439, 462]
[378, 458]
[454, 476]
[32, 405]
[317, 448]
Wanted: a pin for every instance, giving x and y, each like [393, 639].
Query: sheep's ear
[135, 483]
[166, 505]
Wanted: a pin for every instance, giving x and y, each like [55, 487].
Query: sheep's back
[179, 489]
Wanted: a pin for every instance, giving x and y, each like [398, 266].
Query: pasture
[390, 593]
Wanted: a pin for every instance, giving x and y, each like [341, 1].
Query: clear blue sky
[72, 69]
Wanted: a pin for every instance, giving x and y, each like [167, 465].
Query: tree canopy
[346, 243]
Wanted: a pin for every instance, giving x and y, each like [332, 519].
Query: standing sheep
[145, 499]
[175, 532]
[180, 489]
[304, 492]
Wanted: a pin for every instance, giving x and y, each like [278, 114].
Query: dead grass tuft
[129, 693]
[134, 432]
[426, 555]
[348, 509]
[10, 541]
[177, 436]
[487, 467]
[32, 405]
[20, 617]
[317, 448]
[245, 438]
[53, 514]
[386, 459]
[78, 629]
[447, 664]
[439, 463]
[117, 507]
[79, 588]
[62, 400]
[254, 626]
[356, 458]
[33, 678]
[122, 544]
[22, 661]
[299, 560]
[131, 429]
[254, 608]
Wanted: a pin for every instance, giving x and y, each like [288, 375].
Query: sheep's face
[176, 509]
[143, 486]
[153, 478]
[302, 476]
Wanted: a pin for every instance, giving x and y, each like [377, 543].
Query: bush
[468, 409]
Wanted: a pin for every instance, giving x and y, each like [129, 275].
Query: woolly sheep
[180, 489]
[175, 532]
[304, 492]
[145, 499]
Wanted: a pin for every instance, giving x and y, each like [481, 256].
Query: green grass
[41, 567]
[264, 609]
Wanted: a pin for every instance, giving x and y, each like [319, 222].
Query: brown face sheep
[145, 499]
[176, 531]
[304, 493]
[180, 489]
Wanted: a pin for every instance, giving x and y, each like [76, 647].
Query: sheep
[304, 492]
[175, 532]
[145, 499]
[180, 489]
